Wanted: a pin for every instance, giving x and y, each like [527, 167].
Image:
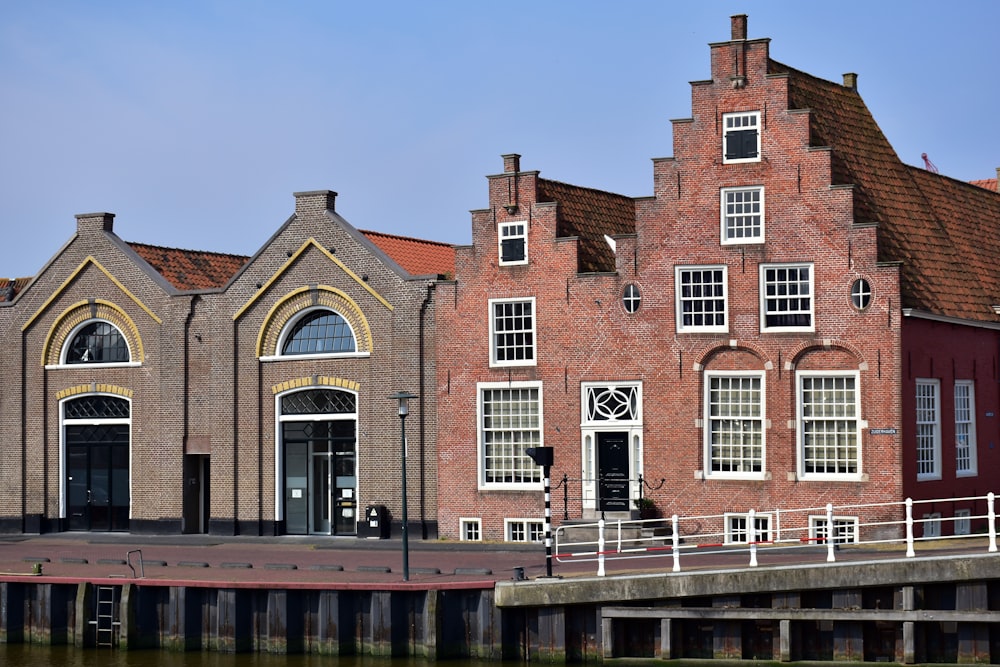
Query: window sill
[328, 355]
[116, 364]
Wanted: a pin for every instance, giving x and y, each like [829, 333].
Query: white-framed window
[524, 530]
[741, 137]
[932, 524]
[513, 241]
[965, 429]
[96, 342]
[734, 424]
[737, 528]
[928, 429]
[963, 522]
[845, 529]
[512, 332]
[829, 424]
[470, 530]
[631, 298]
[702, 298]
[742, 216]
[317, 332]
[510, 421]
[786, 295]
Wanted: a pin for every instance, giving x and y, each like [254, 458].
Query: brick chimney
[739, 25]
[511, 163]
[95, 222]
[851, 80]
[315, 201]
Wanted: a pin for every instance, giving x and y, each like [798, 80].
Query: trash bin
[375, 524]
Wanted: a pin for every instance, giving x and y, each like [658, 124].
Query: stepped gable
[886, 192]
[589, 215]
[416, 256]
[190, 269]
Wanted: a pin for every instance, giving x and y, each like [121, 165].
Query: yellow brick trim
[315, 381]
[84, 311]
[94, 388]
[310, 243]
[308, 297]
[73, 276]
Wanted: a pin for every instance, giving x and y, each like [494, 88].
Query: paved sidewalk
[268, 560]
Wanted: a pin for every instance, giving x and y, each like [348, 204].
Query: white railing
[864, 524]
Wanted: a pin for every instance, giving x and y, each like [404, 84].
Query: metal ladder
[106, 618]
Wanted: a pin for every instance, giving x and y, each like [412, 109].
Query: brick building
[793, 317]
[160, 390]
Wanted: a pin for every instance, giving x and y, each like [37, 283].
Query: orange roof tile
[11, 287]
[917, 226]
[190, 269]
[988, 183]
[416, 256]
[590, 215]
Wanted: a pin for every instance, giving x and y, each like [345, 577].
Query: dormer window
[741, 137]
[513, 238]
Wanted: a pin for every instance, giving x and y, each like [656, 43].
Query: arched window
[97, 342]
[319, 332]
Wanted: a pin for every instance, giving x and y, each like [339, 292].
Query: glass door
[322, 498]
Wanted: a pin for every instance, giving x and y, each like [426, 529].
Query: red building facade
[748, 334]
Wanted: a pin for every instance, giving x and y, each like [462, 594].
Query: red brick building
[160, 390]
[794, 317]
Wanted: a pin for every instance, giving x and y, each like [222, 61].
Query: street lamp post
[403, 397]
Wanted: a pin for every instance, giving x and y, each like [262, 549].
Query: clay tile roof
[191, 269]
[590, 215]
[11, 287]
[932, 239]
[987, 183]
[416, 256]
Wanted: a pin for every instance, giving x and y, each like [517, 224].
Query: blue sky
[195, 121]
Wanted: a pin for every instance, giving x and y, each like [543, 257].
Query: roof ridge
[406, 238]
[132, 244]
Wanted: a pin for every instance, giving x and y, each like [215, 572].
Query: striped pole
[548, 523]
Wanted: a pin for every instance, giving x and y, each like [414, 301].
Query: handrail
[829, 526]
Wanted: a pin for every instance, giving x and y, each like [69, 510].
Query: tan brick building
[161, 390]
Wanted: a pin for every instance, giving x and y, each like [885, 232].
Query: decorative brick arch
[310, 297]
[825, 345]
[85, 311]
[315, 381]
[94, 388]
[717, 350]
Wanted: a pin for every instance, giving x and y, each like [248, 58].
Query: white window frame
[64, 352]
[845, 529]
[801, 423]
[286, 331]
[509, 231]
[965, 425]
[928, 429]
[725, 217]
[526, 464]
[741, 117]
[680, 299]
[963, 522]
[532, 331]
[764, 294]
[527, 527]
[630, 422]
[467, 524]
[739, 534]
[931, 523]
[709, 420]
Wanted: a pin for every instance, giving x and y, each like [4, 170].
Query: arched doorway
[318, 450]
[96, 438]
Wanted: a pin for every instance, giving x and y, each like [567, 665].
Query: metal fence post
[910, 553]
[992, 516]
